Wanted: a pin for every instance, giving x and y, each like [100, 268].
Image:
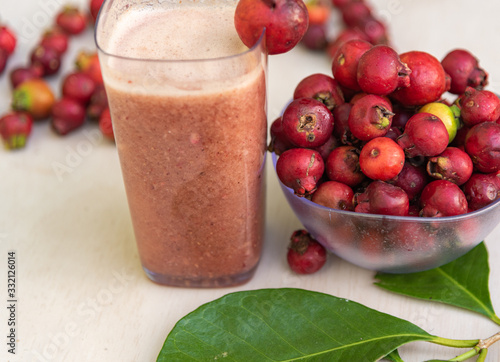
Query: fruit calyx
[384, 117]
[300, 243]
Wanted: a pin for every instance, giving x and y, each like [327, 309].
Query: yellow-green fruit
[450, 119]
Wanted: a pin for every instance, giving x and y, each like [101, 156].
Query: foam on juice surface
[176, 34]
[166, 36]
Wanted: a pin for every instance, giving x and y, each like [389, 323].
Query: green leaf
[462, 283]
[286, 325]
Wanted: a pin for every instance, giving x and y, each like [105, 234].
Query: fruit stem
[457, 343]
[465, 356]
[482, 355]
[480, 347]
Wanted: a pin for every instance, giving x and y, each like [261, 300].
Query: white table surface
[82, 295]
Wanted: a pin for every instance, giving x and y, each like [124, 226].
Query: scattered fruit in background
[105, 125]
[98, 103]
[48, 59]
[84, 85]
[286, 22]
[15, 128]
[88, 62]
[78, 86]
[8, 42]
[305, 255]
[67, 115]
[94, 7]
[4, 57]
[56, 39]
[71, 20]
[35, 97]
[8, 39]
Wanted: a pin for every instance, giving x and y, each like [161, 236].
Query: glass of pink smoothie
[188, 105]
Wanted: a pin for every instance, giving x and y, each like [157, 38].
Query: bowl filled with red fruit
[392, 162]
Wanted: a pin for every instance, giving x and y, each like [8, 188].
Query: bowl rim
[466, 216]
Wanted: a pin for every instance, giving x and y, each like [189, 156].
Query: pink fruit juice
[188, 104]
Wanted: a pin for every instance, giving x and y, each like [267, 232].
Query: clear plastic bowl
[393, 244]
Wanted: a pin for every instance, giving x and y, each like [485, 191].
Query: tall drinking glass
[188, 105]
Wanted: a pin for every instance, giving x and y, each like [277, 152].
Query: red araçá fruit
[354, 12]
[67, 115]
[279, 143]
[342, 165]
[56, 39]
[35, 97]
[322, 88]
[4, 57]
[106, 125]
[452, 164]
[481, 190]
[424, 135]
[300, 169]
[334, 195]
[15, 128]
[345, 62]
[307, 122]
[95, 6]
[479, 106]
[315, 37]
[98, 102]
[427, 79]
[380, 71]
[47, 58]
[326, 148]
[384, 199]
[343, 36]
[21, 74]
[286, 22]
[370, 117]
[482, 143]
[78, 86]
[442, 198]
[341, 124]
[412, 179]
[305, 255]
[381, 159]
[71, 20]
[464, 71]
[8, 39]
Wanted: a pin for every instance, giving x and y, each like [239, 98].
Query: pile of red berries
[82, 91]
[378, 136]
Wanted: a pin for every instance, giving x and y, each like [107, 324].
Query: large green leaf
[286, 325]
[462, 283]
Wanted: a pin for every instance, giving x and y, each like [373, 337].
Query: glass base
[205, 282]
